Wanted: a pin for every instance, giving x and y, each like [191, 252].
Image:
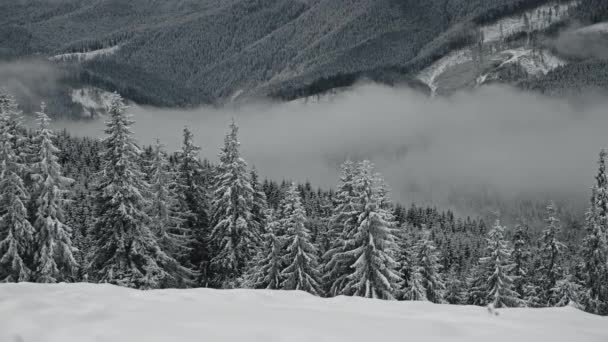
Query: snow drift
[92, 312]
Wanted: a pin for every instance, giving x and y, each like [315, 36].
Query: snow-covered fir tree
[567, 291]
[265, 270]
[301, 271]
[343, 224]
[259, 205]
[406, 261]
[595, 245]
[372, 245]
[235, 236]
[494, 285]
[415, 289]
[427, 262]
[164, 210]
[454, 289]
[54, 259]
[521, 259]
[125, 248]
[192, 193]
[551, 250]
[16, 232]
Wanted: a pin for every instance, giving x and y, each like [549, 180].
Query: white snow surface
[85, 56]
[93, 100]
[538, 18]
[105, 313]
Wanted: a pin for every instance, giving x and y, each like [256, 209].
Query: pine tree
[16, 232]
[567, 291]
[234, 236]
[415, 289]
[521, 258]
[301, 270]
[373, 243]
[125, 251]
[595, 246]
[551, 250]
[343, 225]
[454, 289]
[54, 259]
[265, 269]
[259, 205]
[494, 285]
[406, 265]
[165, 212]
[192, 194]
[427, 261]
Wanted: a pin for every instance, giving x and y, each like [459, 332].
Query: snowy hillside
[458, 69]
[86, 56]
[87, 312]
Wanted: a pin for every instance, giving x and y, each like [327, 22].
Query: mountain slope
[188, 52]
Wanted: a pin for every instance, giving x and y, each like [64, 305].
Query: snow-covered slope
[85, 56]
[460, 63]
[105, 313]
[94, 101]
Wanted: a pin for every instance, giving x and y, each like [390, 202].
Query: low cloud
[584, 42]
[463, 151]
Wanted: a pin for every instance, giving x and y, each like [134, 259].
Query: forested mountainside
[187, 52]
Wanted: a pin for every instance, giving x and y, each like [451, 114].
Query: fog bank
[490, 143]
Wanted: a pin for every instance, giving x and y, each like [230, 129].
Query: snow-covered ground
[105, 313]
[94, 100]
[538, 18]
[85, 56]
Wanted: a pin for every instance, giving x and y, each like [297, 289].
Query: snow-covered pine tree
[594, 255]
[167, 219]
[454, 289]
[427, 261]
[415, 289]
[406, 257]
[301, 268]
[495, 286]
[234, 236]
[373, 244]
[342, 228]
[551, 250]
[567, 291]
[265, 269]
[259, 206]
[192, 193]
[16, 232]
[125, 249]
[521, 259]
[54, 260]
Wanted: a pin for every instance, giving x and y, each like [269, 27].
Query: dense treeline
[79, 209]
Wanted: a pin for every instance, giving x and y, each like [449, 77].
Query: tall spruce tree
[16, 232]
[521, 259]
[192, 190]
[168, 221]
[494, 285]
[373, 245]
[427, 261]
[234, 236]
[265, 269]
[301, 270]
[594, 255]
[54, 260]
[125, 250]
[551, 250]
[343, 225]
